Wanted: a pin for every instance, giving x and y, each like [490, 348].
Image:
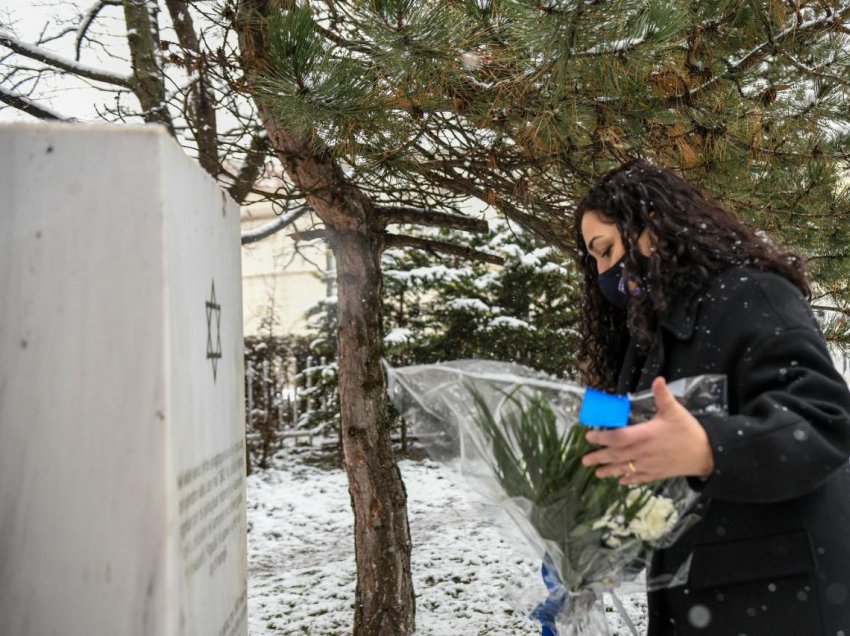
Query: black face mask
[612, 282]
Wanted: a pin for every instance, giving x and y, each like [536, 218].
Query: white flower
[655, 519]
[614, 523]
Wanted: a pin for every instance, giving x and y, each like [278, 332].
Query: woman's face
[603, 241]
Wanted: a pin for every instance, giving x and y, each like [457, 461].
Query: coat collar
[638, 372]
[681, 319]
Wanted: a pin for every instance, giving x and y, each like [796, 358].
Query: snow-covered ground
[466, 573]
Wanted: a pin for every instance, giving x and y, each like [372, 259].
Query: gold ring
[632, 467]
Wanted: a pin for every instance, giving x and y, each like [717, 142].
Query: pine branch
[838, 310]
[399, 240]
[416, 216]
[618, 47]
[283, 221]
[769, 46]
[342, 42]
[814, 72]
[57, 61]
[313, 170]
[28, 106]
[536, 224]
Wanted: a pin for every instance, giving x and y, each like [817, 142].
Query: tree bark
[384, 600]
[147, 83]
[384, 595]
[201, 106]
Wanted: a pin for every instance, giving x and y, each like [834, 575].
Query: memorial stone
[122, 460]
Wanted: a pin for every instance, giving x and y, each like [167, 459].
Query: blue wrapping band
[604, 410]
[549, 609]
[552, 606]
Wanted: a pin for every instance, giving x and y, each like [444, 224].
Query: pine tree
[320, 380]
[523, 104]
[523, 311]
[393, 111]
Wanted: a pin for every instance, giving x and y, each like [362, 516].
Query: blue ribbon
[549, 609]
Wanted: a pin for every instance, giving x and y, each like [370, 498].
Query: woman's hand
[671, 444]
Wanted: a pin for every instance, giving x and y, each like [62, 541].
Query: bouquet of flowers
[518, 437]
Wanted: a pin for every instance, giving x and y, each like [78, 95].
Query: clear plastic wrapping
[514, 434]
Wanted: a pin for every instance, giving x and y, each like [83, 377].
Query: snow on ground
[301, 556]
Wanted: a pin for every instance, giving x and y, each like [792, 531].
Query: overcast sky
[73, 98]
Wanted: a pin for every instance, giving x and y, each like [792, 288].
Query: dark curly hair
[692, 237]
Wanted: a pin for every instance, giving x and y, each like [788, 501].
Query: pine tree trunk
[384, 600]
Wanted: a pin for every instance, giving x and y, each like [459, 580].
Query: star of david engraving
[213, 352]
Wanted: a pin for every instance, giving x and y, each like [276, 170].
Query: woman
[677, 287]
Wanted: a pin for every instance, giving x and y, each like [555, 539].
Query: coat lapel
[653, 365]
[637, 374]
[630, 369]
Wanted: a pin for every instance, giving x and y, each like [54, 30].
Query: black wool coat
[771, 555]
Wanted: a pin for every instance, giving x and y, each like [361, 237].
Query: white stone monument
[122, 462]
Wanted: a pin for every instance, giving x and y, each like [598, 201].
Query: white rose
[655, 519]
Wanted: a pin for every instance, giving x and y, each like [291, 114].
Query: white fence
[282, 396]
[292, 398]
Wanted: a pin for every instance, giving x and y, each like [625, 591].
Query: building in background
[281, 279]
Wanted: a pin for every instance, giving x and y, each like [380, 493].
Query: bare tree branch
[201, 102]
[244, 181]
[87, 21]
[53, 59]
[148, 82]
[283, 221]
[43, 39]
[428, 245]
[309, 235]
[30, 107]
[418, 216]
